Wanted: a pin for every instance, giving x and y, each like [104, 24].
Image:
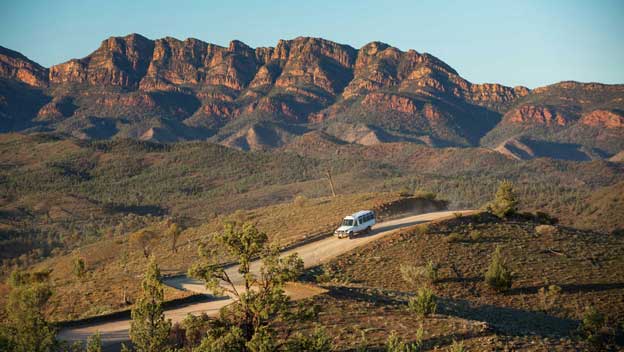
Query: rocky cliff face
[189, 89]
[604, 118]
[117, 62]
[15, 66]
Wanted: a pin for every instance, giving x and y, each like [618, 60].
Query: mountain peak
[189, 89]
[15, 66]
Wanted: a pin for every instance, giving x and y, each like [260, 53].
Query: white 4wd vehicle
[360, 222]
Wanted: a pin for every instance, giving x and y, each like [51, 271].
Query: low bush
[425, 194]
[549, 297]
[457, 346]
[317, 341]
[455, 237]
[594, 328]
[421, 229]
[424, 303]
[330, 274]
[405, 192]
[431, 271]
[417, 276]
[475, 235]
[394, 343]
[79, 268]
[498, 276]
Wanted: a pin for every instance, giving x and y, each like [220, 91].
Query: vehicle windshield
[347, 222]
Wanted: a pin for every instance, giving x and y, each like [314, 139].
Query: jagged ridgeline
[168, 90]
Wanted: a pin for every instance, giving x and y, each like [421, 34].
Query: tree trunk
[331, 182]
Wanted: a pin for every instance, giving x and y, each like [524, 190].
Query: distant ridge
[169, 90]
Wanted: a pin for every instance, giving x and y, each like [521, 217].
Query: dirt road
[313, 254]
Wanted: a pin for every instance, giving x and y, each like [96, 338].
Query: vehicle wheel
[350, 235]
[368, 229]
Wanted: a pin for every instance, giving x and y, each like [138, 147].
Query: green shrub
[416, 276]
[475, 235]
[317, 341]
[505, 202]
[424, 303]
[425, 194]
[331, 274]
[498, 276]
[549, 297]
[457, 346]
[593, 327]
[431, 271]
[79, 267]
[94, 343]
[421, 229]
[455, 237]
[394, 343]
[405, 192]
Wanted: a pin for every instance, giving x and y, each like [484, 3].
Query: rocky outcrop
[539, 115]
[603, 118]
[495, 93]
[382, 67]
[57, 109]
[119, 61]
[141, 100]
[315, 62]
[15, 66]
[384, 102]
[169, 89]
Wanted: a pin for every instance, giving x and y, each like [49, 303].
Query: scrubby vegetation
[96, 212]
[556, 275]
[259, 299]
[59, 194]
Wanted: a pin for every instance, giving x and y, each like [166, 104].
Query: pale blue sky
[531, 43]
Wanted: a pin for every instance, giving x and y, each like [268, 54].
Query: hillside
[584, 264]
[169, 90]
[113, 262]
[60, 193]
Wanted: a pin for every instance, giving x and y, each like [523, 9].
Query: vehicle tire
[368, 229]
[350, 235]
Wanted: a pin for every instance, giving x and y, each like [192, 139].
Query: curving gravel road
[116, 331]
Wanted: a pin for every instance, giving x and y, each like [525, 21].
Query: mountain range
[304, 89]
